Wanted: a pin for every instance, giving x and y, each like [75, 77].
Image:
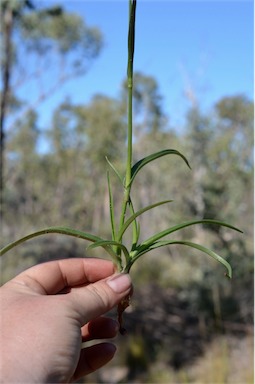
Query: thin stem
[131, 49]
[131, 45]
[130, 129]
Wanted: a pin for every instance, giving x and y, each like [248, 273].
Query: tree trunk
[7, 26]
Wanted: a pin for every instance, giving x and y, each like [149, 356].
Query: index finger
[53, 276]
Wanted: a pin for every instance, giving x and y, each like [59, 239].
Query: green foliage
[67, 31]
[36, 41]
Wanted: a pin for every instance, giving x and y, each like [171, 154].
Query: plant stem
[131, 48]
[131, 45]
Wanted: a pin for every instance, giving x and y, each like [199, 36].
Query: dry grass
[226, 360]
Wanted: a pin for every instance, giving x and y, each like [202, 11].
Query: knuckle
[101, 295]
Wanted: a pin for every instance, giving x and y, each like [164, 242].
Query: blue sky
[205, 47]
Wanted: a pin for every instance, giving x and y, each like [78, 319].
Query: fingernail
[119, 283]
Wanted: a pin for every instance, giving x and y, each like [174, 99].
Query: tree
[223, 147]
[199, 135]
[236, 116]
[101, 124]
[22, 192]
[47, 38]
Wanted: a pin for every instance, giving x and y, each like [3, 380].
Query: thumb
[95, 299]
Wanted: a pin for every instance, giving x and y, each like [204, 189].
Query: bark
[7, 27]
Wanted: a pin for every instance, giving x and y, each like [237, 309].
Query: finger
[96, 299]
[100, 328]
[54, 276]
[93, 358]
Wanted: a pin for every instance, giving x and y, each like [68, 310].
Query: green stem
[131, 45]
[130, 129]
[131, 49]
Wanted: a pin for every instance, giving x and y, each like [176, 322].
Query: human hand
[47, 312]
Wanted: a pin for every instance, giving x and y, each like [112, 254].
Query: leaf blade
[201, 248]
[177, 227]
[136, 227]
[141, 163]
[107, 243]
[111, 207]
[54, 230]
[138, 213]
[114, 170]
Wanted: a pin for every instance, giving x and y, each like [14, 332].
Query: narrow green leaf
[138, 213]
[110, 243]
[115, 170]
[111, 206]
[200, 248]
[56, 230]
[141, 163]
[175, 228]
[136, 227]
